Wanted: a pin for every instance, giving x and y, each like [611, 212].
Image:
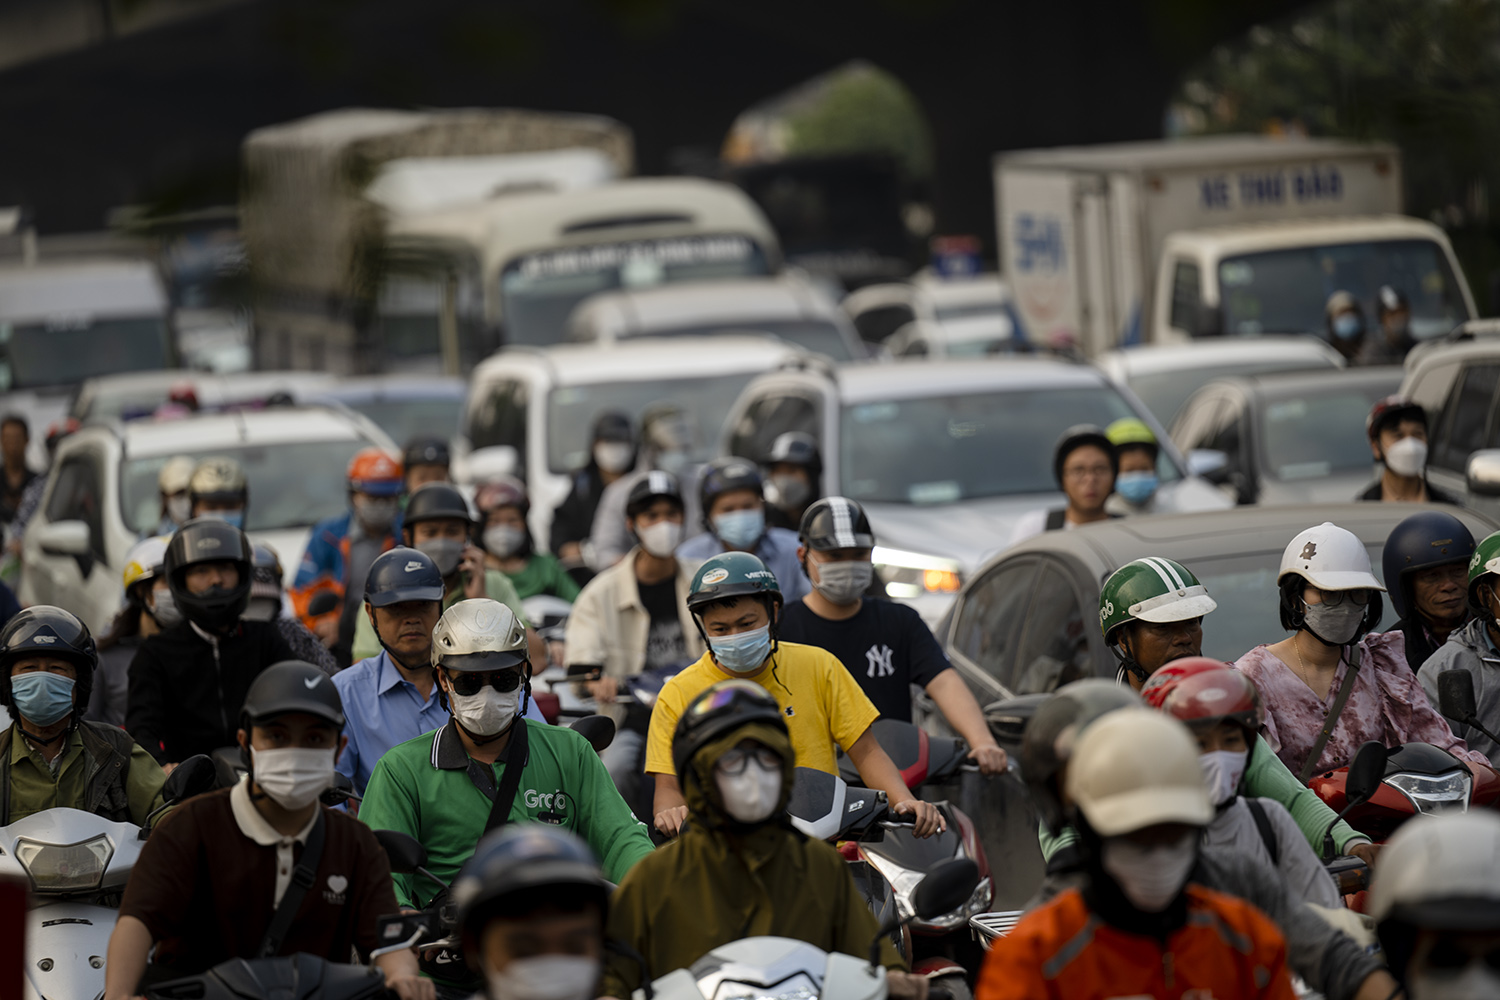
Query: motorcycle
[888, 863]
[296, 977]
[782, 967]
[77, 864]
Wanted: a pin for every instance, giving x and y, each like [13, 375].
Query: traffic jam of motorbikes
[473, 565]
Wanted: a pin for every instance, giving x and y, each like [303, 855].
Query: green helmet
[1130, 430]
[1484, 562]
[1152, 589]
[732, 574]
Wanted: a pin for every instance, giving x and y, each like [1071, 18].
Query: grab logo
[550, 801]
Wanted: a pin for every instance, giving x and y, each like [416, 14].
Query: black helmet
[204, 540]
[653, 486]
[291, 686]
[436, 502]
[725, 475]
[426, 451]
[1389, 299]
[517, 867]
[1076, 437]
[722, 708]
[1423, 540]
[403, 574]
[836, 523]
[265, 583]
[1046, 743]
[45, 630]
[796, 448]
[612, 426]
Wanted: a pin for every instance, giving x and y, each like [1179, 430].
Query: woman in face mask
[503, 508]
[1221, 708]
[1333, 669]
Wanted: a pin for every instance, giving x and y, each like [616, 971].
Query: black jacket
[1433, 494]
[186, 692]
[573, 520]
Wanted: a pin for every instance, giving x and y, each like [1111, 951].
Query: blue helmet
[1423, 540]
[403, 574]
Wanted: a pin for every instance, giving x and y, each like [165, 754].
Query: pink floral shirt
[1386, 704]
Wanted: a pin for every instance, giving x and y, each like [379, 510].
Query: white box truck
[1161, 242]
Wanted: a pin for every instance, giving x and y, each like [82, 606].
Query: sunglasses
[734, 760]
[470, 683]
[1334, 598]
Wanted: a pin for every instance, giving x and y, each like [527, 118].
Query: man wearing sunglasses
[487, 767]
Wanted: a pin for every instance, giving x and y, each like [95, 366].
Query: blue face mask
[1347, 326]
[741, 529]
[42, 697]
[1136, 487]
[744, 653]
[236, 518]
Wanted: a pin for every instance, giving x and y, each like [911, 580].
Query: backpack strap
[1267, 832]
[291, 900]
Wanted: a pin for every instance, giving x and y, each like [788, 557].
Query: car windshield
[407, 417]
[69, 349]
[1244, 587]
[941, 449]
[1165, 392]
[572, 410]
[1309, 435]
[1287, 291]
[538, 291]
[282, 493]
[818, 336]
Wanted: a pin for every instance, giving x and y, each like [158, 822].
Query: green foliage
[865, 111]
[1424, 74]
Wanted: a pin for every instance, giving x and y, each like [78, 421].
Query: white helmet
[478, 634]
[144, 560]
[175, 475]
[1329, 558]
[1135, 768]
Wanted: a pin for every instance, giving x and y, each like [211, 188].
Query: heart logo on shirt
[337, 883]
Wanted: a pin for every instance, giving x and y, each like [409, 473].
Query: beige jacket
[609, 626]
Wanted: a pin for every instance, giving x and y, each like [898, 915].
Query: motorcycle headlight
[911, 574]
[1434, 793]
[65, 867]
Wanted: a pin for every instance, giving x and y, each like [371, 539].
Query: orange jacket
[1227, 950]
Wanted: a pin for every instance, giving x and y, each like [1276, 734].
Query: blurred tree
[863, 109]
[1424, 74]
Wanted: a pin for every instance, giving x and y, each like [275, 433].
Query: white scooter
[782, 967]
[77, 864]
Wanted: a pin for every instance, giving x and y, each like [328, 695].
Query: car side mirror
[193, 776]
[1456, 695]
[1484, 473]
[1366, 772]
[599, 730]
[1209, 322]
[63, 538]
[405, 852]
[1208, 464]
[945, 888]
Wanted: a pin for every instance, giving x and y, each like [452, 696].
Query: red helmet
[373, 471]
[506, 491]
[1200, 691]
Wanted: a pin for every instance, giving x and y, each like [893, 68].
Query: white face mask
[1150, 877]
[613, 456]
[488, 713]
[1475, 981]
[164, 608]
[293, 777]
[504, 540]
[545, 977]
[1407, 457]
[843, 582]
[376, 515]
[1222, 770]
[751, 795]
[179, 507]
[661, 538]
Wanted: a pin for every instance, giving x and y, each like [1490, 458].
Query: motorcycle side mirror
[945, 888]
[1366, 772]
[1456, 695]
[405, 852]
[599, 730]
[342, 790]
[193, 776]
[322, 603]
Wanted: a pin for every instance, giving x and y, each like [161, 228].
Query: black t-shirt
[664, 643]
[886, 646]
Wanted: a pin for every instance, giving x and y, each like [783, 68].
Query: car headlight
[1434, 793]
[65, 867]
[912, 574]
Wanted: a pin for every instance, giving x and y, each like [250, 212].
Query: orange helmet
[375, 472]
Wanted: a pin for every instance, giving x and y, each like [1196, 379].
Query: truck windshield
[816, 335]
[67, 350]
[1286, 291]
[538, 291]
[572, 410]
[407, 319]
[941, 449]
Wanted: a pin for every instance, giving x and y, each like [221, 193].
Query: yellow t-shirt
[820, 701]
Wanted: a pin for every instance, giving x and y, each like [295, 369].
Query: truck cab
[1276, 277]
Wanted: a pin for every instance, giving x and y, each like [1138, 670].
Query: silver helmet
[479, 634]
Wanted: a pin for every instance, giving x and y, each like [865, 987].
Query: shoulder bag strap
[502, 798]
[1329, 721]
[1267, 833]
[291, 900]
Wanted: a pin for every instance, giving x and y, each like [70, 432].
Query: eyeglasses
[1088, 472]
[467, 683]
[734, 760]
[1335, 598]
